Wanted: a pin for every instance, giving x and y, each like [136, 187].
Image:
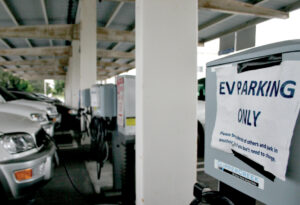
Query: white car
[26, 157]
[51, 110]
[30, 113]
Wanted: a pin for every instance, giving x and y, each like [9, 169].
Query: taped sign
[257, 112]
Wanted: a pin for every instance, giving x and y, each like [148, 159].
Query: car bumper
[42, 165]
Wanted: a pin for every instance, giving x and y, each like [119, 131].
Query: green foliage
[59, 86]
[37, 85]
[9, 81]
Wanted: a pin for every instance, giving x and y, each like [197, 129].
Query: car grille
[41, 138]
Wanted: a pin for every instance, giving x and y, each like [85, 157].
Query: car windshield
[26, 96]
[7, 95]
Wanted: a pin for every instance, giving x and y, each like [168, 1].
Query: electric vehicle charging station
[85, 98]
[239, 165]
[113, 123]
[124, 143]
[103, 122]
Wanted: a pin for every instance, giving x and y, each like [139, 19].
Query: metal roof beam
[114, 54]
[44, 62]
[222, 18]
[111, 64]
[13, 18]
[42, 77]
[106, 34]
[114, 14]
[7, 46]
[62, 51]
[38, 51]
[250, 23]
[37, 69]
[238, 7]
[64, 32]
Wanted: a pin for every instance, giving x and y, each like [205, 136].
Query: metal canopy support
[166, 109]
[82, 70]
[88, 43]
[73, 76]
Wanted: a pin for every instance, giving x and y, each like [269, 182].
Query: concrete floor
[59, 191]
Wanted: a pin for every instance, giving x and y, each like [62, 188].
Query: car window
[7, 95]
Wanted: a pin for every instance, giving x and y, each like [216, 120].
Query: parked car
[26, 157]
[51, 110]
[35, 97]
[69, 116]
[30, 113]
[46, 98]
[201, 116]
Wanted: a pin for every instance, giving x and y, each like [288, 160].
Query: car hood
[30, 103]
[15, 123]
[21, 110]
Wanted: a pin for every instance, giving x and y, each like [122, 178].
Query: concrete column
[73, 77]
[76, 76]
[68, 91]
[88, 43]
[166, 90]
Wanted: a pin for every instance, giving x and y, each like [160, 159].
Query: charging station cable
[99, 144]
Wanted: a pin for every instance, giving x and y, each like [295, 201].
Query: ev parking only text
[277, 88]
[261, 88]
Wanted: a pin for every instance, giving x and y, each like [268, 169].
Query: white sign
[240, 174]
[257, 112]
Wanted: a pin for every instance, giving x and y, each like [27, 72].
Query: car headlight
[51, 110]
[37, 117]
[72, 112]
[18, 142]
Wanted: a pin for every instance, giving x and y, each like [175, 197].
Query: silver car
[31, 113]
[26, 156]
[51, 110]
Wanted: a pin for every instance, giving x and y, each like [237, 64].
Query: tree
[9, 81]
[37, 85]
[59, 86]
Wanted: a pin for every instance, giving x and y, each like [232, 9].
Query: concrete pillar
[83, 63]
[68, 83]
[73, 77]
[88, 43]
[166, 62]
[76, 76]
